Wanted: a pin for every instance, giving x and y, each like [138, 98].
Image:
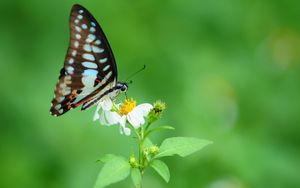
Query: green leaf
[181, 146]
[160, 128]
[136, 177]
[115, 169]
[106, 158]
[161, 168]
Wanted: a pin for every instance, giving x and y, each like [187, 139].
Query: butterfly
[90, 71]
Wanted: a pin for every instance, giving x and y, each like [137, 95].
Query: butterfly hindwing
[89, 68]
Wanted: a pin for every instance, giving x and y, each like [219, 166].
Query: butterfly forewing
[89, 68]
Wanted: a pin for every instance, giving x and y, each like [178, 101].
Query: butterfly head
[122, 87]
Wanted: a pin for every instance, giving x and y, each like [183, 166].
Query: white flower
[104, 112]
[133, 114]
[127, 111]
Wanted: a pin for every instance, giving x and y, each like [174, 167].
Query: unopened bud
[154, 150]
[155, 113]
[159, 107]
[132, 161]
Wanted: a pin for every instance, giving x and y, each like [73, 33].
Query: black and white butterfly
[89, 71]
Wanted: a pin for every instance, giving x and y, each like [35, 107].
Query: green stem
[141, 150]
[147, 126]
[141, 138]
[141, 153]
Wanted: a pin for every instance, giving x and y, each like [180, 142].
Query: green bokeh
[228, 70]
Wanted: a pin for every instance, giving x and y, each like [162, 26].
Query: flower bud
[156, 111]
[154, 150]
[159, 107]
[132, 161]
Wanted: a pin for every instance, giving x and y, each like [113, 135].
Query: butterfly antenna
[135, 73]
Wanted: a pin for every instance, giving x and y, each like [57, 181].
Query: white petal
[122, 121]
[136, 116]
[139, 115]
[109, 118]
[127, 131]
[135, 119]
[102, 118]
[144, 108]
[106, 103]
[123, 129]
[96, 115]
[112, 117]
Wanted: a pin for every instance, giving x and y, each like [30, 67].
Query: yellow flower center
[127, 106]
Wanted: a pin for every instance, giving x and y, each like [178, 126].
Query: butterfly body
[89, 71]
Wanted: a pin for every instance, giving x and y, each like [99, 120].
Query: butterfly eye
[124, 88]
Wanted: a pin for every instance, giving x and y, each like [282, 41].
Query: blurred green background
[228, 70]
